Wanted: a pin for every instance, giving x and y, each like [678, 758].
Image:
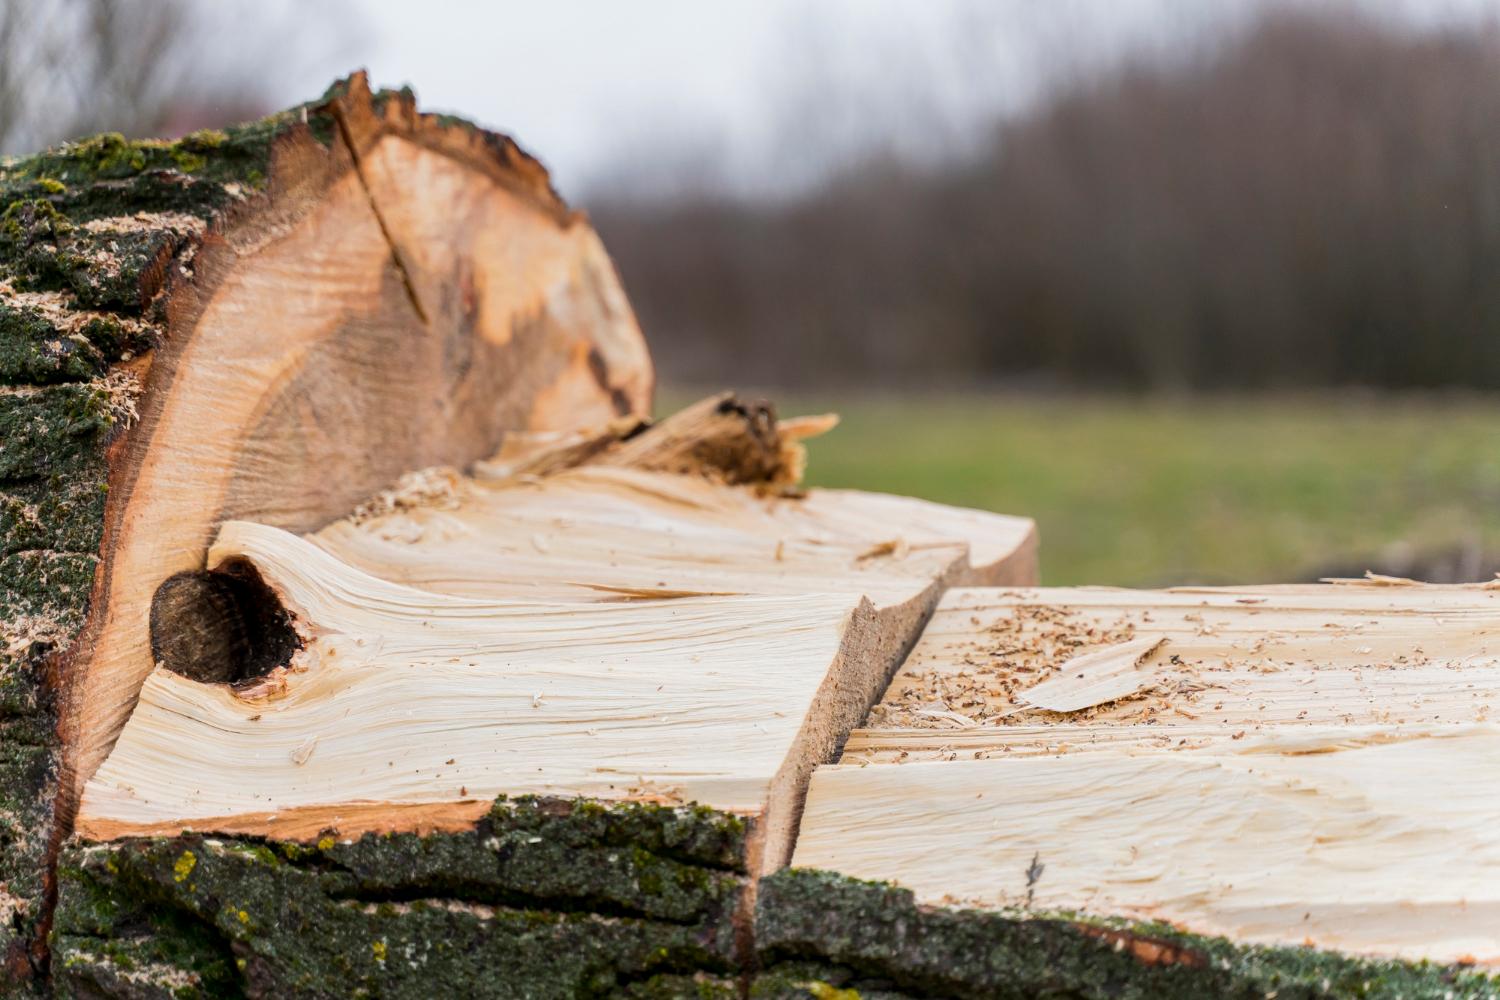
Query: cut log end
[271, 321]
[265, 404]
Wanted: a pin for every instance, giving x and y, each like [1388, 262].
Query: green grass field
[1137, 493]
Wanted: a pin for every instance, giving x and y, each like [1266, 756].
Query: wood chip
[1096, 677]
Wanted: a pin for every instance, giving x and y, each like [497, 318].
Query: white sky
[588, 85]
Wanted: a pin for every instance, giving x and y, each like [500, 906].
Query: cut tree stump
[364, 636]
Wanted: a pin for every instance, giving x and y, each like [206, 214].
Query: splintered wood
[607, 630]
[1300, 764]
[305, 371]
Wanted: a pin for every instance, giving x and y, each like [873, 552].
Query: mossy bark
[556, 898]
[818, 934]
[93, 237]
[89, 234]
[52, 482]
[542, 898]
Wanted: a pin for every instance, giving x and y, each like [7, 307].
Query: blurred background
[1212, 290]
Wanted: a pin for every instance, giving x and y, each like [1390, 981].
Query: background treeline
[1314, 200]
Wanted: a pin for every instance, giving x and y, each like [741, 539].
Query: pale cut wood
[403, 298]
[407, 697]
[1386, 847]
[603, 631]
[1093, 678]
[1287, 765]
[603, 532]
[1233, 658]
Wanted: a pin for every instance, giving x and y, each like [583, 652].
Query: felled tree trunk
[365, 637]
[223, 357]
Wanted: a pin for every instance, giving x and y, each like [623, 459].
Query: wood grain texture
[1380, 846]
[605, 631]
[1230, 658]
[291, 408]
[1289, 766]
[604, 533]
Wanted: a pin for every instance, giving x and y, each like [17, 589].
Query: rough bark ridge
[549, 898]
[541, 898]
[818, 933]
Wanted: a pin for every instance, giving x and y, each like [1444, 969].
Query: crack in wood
[385, 231]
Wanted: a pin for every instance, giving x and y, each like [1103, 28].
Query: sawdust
[997, 664]
[439, 487]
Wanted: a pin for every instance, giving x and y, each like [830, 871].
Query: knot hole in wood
[223, 626]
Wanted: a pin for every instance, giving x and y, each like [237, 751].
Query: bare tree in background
[1311, 199]
[143, 67]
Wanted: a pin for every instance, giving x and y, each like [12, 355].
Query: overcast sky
[592, 85]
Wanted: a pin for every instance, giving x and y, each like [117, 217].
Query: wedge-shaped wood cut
[411, 710]
[605, 631]
[569, 694]
[1291, 765]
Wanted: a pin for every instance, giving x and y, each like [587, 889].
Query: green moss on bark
[698, 986]
[693, 834]
[52, 482]
[546, 897]
[34, 351]
[52, 429]
[819, 981]
[107, 176]
[633, 860]
[47, 344]
[542, 898]
[26, 765]
[878, 932]
[119, 266]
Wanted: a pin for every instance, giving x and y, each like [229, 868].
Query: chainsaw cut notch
[224, 626]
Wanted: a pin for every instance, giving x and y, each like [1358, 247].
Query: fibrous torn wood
[629, 625]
